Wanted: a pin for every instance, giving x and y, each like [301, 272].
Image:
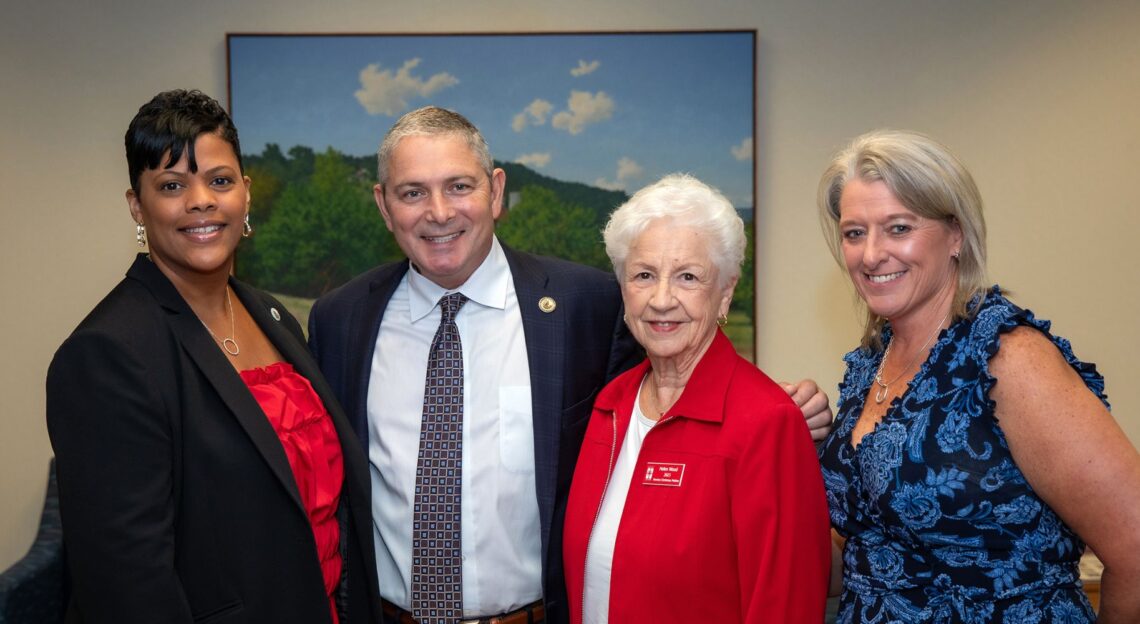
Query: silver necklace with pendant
[881, 392]
[229, 345]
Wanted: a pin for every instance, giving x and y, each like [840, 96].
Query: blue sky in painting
[616, 111]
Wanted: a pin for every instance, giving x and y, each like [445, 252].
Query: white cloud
[744, 150]
[584, 109]
[537, 160]
[627, 171]
[383, 92]
[584, 68]
[534, 114]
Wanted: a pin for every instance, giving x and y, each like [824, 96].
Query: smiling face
[441, 206]
[901, 263]
[193, 219]
[672, 293]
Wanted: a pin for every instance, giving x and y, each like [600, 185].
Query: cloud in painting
[744, 150]
[534, 114]
[627, 171]
[535, 160]
[584, 68]
[384, 92]
[584, 109]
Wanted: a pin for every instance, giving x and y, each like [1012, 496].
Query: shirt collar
[705, 394]
[487, 286]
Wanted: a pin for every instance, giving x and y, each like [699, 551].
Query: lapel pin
[547, 304]
[275, 314]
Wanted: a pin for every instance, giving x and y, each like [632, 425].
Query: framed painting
[579, 121]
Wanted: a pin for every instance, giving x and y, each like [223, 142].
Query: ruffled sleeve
[998, 315]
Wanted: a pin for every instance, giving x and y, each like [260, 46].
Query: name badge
[660, 473]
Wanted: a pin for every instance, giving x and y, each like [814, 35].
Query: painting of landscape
[579, 121]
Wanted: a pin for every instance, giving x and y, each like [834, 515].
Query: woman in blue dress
[973, 454]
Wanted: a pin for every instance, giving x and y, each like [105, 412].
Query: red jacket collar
[704, 395]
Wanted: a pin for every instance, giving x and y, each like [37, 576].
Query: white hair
[689, 203]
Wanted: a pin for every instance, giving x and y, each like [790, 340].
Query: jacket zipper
[598, 511]
[605, 488]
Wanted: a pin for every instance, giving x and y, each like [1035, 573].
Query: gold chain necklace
[881, 392]
[229, 345]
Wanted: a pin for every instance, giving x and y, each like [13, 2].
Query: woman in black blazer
[206, 473]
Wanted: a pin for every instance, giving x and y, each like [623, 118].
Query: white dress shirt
[502, 551]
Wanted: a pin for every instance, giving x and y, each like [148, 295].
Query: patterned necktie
[437, 567]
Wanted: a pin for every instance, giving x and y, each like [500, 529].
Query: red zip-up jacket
[725, 520]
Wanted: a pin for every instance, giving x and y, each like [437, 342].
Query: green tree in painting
[265, 188]
[322, 231]
[540, 222]
[745, 288]
[302, 161]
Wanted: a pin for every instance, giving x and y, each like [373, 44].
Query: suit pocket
[576, 415]
[516, 429]
[221, 614]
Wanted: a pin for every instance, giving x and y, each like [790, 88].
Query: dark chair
[31, 591]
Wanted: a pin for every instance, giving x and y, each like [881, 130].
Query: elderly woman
[697, 496]
[205, 472]
[972, 450]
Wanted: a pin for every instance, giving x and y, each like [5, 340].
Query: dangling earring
[140, 234]
[247, 229]
[722, 320]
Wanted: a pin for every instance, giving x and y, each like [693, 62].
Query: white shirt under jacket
[502, 552]
[603, 539]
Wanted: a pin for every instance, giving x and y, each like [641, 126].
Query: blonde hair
[931, 182]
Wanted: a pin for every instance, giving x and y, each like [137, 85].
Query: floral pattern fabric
[941, 525]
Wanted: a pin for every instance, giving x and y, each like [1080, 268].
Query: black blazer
[177, 499]
[573, 351]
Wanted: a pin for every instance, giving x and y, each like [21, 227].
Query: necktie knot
[449, 305]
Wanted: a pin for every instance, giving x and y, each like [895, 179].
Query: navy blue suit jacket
[573, 351]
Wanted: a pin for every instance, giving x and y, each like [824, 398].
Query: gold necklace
[229, 345]
[881, 393]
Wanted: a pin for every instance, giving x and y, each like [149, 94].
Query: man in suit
[539, 338]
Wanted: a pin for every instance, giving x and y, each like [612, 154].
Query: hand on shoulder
[815, 405]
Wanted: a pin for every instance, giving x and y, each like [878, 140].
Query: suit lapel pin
[275, 314]
[547, 304]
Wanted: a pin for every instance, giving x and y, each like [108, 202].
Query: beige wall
[1039, 98]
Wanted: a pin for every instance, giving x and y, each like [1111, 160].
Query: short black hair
[170, 122]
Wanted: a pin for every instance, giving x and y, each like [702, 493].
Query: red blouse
[306, 431]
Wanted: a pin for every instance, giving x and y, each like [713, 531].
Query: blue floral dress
[941, 525]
